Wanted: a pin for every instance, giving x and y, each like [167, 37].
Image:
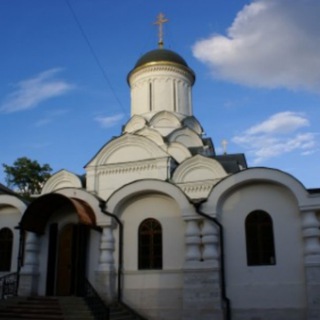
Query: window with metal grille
[6, 241]
[259, 239]
[150, 244]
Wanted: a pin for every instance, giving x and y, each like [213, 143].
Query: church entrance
[67, 243]
[66, 276]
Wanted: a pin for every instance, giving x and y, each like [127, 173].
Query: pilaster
[202, 289]
[311, 235]
[106, 275]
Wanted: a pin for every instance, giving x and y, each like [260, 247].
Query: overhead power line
[94, 55]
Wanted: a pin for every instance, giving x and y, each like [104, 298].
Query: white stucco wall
[266, 287]
[153, 292]
[143, 288]
[166, 211]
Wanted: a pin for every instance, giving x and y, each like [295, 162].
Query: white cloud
[31, 92]
[279, 134]
[271, 43]
[282, 122]
[108, 122]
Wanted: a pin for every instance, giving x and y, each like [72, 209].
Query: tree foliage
[27, 176]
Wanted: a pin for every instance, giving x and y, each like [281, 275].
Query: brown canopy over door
[40, 210]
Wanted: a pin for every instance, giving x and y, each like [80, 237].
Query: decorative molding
[166, 67]
[197, 187]
[133, 167]
[197, 190]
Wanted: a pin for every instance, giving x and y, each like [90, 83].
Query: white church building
[164, 224]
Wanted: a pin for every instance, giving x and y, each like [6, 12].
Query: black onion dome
[161, 54]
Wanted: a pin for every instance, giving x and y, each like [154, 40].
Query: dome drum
[161, 79]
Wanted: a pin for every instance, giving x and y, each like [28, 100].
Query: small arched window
[150, 245]
[259, 239]
[6, 241]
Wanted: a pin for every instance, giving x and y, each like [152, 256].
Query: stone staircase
[58, 308]
[31, 308]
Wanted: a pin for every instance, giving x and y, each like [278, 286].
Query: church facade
[164, 224]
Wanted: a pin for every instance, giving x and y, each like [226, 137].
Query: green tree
[27, 176]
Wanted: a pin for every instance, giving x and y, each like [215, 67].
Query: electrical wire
[94, 55]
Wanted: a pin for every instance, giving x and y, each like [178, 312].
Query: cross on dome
[160, 21]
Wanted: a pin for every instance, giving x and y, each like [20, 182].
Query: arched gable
[179, 152]
[127, 148]
[151, 134]
[119, 197]
[198, 168]
[192, 123]
[187, 137]
[255, 175]
[134, 124]
[12, 201]
[165, 119]
[61, 179]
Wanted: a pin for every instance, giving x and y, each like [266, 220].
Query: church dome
[161, 54]
[161, 80]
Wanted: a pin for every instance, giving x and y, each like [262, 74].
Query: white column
[31, 254]
[311, 234]
[210, 241]
[105, 276]
[106, 259]
[193, 241]
[29, 273]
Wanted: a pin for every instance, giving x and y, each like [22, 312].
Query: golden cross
[161, 20]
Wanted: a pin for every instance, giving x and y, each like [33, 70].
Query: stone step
[58, 308]
[31, 308]
[75, 308]
[45, 308]
[120, 312]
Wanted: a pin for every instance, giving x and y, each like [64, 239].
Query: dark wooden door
[71, 264]
[52, 259]
[64, 264]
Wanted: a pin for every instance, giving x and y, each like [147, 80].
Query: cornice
[162, 66]
[196, 190]
[133, 167]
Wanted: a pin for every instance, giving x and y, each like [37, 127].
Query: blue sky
[64, 63]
